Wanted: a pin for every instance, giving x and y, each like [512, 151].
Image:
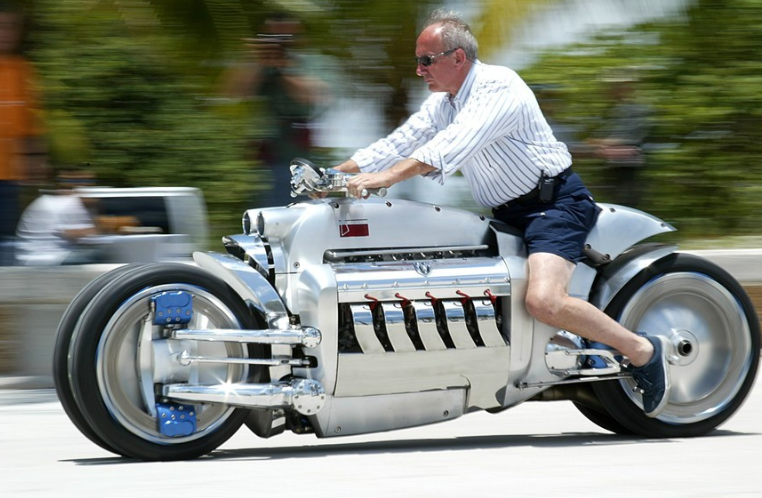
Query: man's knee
[544, 306]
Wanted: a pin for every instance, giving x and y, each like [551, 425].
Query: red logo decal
[354, 228]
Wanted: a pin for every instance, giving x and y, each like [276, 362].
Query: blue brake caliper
[176, 420]
[174, 308]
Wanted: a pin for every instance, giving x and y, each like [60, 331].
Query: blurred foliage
[131, 87]
[702, 78]
[496, 19]
[119, 98]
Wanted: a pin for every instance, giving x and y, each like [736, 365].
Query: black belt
[535, 192]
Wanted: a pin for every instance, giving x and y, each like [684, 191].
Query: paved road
[536, 449]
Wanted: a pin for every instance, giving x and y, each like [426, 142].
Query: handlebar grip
[366, 192]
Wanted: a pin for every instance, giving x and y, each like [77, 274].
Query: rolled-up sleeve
[402, 142]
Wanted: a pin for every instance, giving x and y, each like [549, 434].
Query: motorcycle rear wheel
[602, 419]
[714, 333]
[108, 362]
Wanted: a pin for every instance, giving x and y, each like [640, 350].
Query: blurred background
[189, 110]
[138, 91]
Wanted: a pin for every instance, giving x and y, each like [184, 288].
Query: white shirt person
[485, 122]
[492, 131]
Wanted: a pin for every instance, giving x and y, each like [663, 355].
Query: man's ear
[460, 57]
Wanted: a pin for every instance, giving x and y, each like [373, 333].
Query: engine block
[422, 305]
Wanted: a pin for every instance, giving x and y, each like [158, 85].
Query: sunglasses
[428, 60]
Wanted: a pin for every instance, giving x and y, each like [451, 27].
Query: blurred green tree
[130, 87]
[118, 97]
[702, 76]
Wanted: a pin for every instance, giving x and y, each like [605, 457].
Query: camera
[279, 39]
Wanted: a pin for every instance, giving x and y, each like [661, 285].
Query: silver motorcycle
[341, 316]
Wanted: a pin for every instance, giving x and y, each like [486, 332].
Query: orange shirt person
[17, 118]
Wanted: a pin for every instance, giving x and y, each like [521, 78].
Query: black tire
[602, 419]
[61, 353]
[106, 359]
[584, 399]
[711, 323]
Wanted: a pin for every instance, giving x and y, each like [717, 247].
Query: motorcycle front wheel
[116, 357]
[714, 337]
[62, 356]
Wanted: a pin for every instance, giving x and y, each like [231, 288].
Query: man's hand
[403, 170]
[407, 168]
[366, 181]
[345, 167]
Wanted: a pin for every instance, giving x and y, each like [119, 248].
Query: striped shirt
[492, 131]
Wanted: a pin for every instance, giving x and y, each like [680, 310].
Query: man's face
[441, 75]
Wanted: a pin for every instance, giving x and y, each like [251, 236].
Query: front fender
[248, 283]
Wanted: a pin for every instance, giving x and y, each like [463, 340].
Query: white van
[171, 222]
[145, 224]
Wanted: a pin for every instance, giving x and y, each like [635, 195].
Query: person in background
[275, 74]
[21, 148]
[55, 228]
[620, 141]
[484, 121]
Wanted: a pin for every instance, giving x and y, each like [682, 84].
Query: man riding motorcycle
[484, 121]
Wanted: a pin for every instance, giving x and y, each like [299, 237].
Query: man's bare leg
[549, 302]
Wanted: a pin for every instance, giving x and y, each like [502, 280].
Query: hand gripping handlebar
[306, 178]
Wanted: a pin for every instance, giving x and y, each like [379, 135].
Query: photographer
[274, 74]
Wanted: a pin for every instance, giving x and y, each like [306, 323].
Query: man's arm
[402, 142]
[407, 168]
[348, 167]
[74, 234]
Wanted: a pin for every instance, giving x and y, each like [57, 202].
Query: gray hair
[455, 32]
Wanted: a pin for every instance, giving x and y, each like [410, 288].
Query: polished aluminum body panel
[612, 284]
[619, 228]
[412, 300]
[355, 316]
[356, 415]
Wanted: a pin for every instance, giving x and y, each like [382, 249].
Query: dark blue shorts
[560, 227]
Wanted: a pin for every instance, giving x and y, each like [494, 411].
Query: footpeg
[610, 365]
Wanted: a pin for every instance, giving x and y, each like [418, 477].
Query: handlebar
[306, 178]
[379, 192]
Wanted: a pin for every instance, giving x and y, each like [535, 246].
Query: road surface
[536, 449]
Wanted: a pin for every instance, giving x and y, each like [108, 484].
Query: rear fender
[618, 228]
[616, 275]
[614, 237]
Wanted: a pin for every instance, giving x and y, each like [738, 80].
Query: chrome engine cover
[421, 305]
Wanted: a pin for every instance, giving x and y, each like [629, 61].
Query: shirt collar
[465, 88]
